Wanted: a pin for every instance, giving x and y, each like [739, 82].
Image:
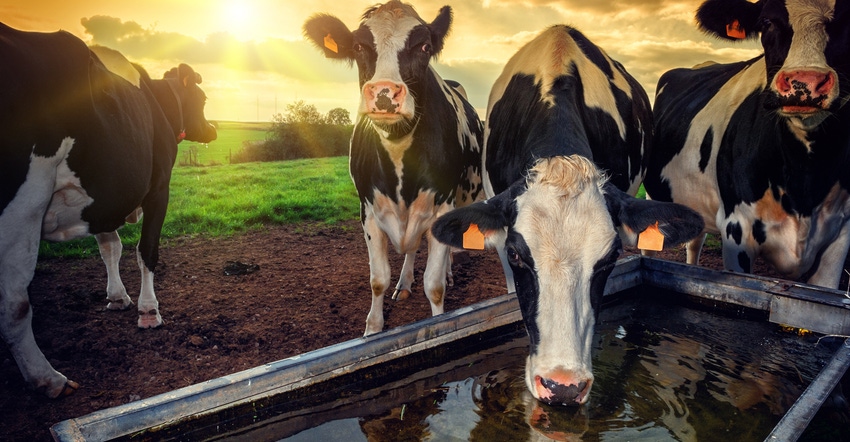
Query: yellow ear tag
[330, 43]
[651, 238]
[473, 238]
[734, 30]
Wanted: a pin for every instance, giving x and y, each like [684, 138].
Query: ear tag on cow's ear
[734, 30]
[473, 239]
[330, 43]
[651, 239]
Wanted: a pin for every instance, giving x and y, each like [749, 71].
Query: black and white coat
[761, 148]
[416, 147]
[567, 130]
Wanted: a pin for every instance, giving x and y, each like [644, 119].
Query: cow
[83, 149]
[416, 147]
[566, 132]
[761, 148]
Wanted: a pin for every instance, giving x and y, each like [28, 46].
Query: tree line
[301, 131]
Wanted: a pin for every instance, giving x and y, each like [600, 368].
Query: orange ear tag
[651, 239]
[473, 239]
[735, 30]
[330, 43]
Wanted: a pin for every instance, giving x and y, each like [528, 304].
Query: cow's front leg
[405, 280]
[693, 249]
[147, 252]
[434, 280]
[149, 316]
[109, 244]
[379, 273]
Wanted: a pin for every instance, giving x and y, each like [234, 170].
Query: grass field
[231, 135]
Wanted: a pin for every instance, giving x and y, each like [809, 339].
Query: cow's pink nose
[804, 84]
[562, 389]
[384, 96]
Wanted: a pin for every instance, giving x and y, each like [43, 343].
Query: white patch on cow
[808, 21]
[390, 28]
[689, 185]
[116, 63]
[565, 222]
[560, 52]
[63, 218]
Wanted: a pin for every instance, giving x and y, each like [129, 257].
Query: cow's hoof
[400, 294]
[119, 304]
[150, 319]
[69, 389]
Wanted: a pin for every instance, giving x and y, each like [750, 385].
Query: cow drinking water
[415, 151]
[82, 149]
[566, 131]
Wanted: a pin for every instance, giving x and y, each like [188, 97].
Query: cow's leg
[20, 224]
[828, 273]
[405, 280]
[434, 279]
[147, 253]
[450, 278]
[109, 244]
[694, 249]
[379, 273]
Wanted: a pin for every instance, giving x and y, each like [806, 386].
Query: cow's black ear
[330, 35]
[729, 19]
[440, 28]
[188, 75]
[489, 217]
[675, 222]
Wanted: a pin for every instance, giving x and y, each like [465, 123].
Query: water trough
[218, 401]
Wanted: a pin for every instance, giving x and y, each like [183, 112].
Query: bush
[291, 141]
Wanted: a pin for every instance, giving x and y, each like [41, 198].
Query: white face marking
[564, 220]
[807, 19]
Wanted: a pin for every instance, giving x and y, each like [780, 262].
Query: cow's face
[806, 49]
[558, 232]
[184, 81]
[392, 49]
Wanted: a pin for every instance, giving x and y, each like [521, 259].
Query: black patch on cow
[385, 103]
[705, 149]
[734, 232]
[591, 51]
[759, 232]
[744, 262]
[527, 288]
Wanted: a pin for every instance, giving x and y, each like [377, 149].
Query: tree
[338, 116]
[301, 112]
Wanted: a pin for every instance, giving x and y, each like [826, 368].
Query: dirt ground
[311, 290]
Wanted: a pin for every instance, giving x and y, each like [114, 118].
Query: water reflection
[662, 373]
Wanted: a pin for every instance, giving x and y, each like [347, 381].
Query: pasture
[231, 136]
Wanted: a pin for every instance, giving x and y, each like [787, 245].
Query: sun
[240, 17]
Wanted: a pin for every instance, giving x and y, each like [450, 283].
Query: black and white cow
[416, 147]
[82, 149]
[566, 131]
[761, 148]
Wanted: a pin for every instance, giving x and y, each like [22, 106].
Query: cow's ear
[440, 28]
[729, 19]
[188, 75]
[674, 223]
[476, 226]
[330, 35]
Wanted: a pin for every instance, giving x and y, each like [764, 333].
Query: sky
[255, 61]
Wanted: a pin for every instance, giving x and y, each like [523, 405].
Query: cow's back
[574, 99]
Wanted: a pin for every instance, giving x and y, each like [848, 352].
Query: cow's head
[558, 230]
[392, 49]
[193, 126]
[806, 49]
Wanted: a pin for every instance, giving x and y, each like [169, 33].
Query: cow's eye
[766, 25]
[426, 48]
[513, 257]
[358, 47]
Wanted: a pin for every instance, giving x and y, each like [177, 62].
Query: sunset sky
[254, 60]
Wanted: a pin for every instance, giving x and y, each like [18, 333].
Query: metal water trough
[803, 306]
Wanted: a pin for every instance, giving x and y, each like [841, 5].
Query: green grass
[229, 199]
[231, 135]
